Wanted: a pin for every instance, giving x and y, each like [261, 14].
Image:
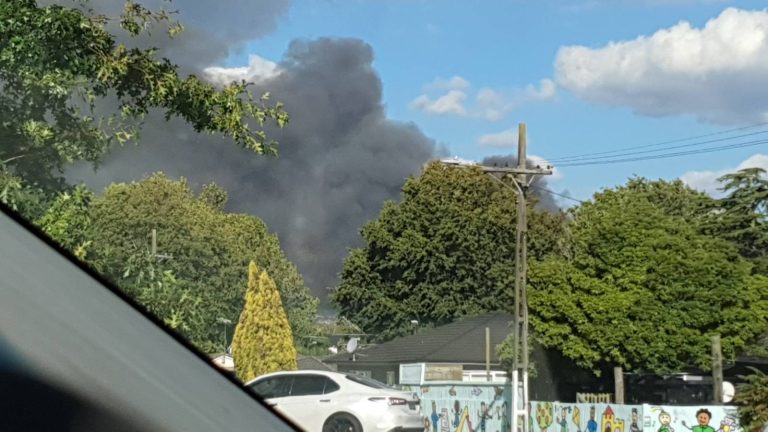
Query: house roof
[312, 363]
[459, 342]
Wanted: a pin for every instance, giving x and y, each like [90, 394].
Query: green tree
[445, 251]
[166, 297]
[752, 400]
[644, 288]
[263, 342]
[67, 220]
[742, 215]
[29, 201]
[204, 248]
[57, 63]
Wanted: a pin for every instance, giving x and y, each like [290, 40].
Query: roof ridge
[490, 316]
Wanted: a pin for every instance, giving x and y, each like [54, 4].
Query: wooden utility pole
[488, 353]
[521, 177]
[717, 369]
[618, 385]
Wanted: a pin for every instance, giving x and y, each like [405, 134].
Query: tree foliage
[205, 249]
[752, 400]
[644, 287]
[742, 215]
[263, 342]
[57, 62]
[445, 251]
[67, 220]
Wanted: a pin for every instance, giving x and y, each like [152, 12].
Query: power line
[558, 194]
[665, 155]
[659, 144]
[589, 159]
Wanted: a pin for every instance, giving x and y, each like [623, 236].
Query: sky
[376, 88]
[585, 76]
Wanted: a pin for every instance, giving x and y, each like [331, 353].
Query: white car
[321, 401]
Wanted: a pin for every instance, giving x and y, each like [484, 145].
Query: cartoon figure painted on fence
[445, 423]
[633, 426]
[483, 415]
[703, 416]
[576, 418]
[502, 415]
[665, 419]
[456, 413]
[544, 415]
[592, 424]
[727, 424]
[708, 419]
[435, 417]
[562, 419]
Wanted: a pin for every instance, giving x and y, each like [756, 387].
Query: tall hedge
[263, 341]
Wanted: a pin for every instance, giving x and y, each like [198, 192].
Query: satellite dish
[728, 391]
[352, 345]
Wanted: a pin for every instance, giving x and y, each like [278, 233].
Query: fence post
[618, 379]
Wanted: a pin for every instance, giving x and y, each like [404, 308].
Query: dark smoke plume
[339, 158]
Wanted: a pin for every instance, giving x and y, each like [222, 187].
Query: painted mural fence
[487, 408]
[686, 419]
[570, 417]
[465, 407]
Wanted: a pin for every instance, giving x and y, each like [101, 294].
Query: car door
[312, 400]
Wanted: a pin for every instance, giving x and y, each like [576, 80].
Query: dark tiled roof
[459, 342]
[311, 363]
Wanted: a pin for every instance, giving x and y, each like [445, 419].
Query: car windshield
[450, 197]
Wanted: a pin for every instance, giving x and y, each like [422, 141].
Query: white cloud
[258, 69]
[450, 103]
[706, 181]
[489, 104]
[719, 72]
[545, 92]
[503, 139]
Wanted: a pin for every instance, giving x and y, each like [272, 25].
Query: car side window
[308, 385]
[273, 387]
[330, 386]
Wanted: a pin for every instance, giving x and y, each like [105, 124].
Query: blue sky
[635, 74]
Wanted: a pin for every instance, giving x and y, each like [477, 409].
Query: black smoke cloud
[339, 158]
[213, 29]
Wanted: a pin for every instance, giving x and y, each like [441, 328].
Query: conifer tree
[263, 341]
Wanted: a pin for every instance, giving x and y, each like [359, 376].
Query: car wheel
[342, 422]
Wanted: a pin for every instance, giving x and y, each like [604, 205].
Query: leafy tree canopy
[57, 62]
[752, 400]
[742, 215]
[205, 249]
[644, 287]
[445, 251]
